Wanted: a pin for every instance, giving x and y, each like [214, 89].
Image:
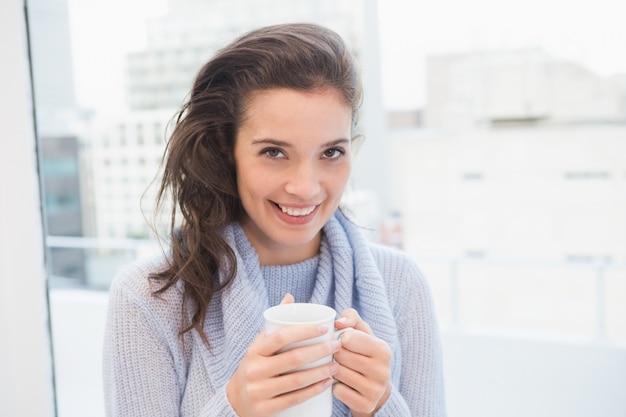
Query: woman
[256, 167]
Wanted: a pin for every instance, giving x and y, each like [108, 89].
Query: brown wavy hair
[199, 171]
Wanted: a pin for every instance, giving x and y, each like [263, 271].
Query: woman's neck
[274, 253]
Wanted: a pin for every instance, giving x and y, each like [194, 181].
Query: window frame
[26, 366]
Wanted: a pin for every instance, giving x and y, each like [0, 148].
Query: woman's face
[292, 155]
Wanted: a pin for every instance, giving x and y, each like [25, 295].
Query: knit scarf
[347, 276]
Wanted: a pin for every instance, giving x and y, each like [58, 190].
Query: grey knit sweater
[149, 370]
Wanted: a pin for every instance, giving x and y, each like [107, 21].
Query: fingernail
[336, 344]
[328, 382]
[321, 329]
[342, 319]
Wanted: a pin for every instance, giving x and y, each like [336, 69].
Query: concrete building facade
[513, 193]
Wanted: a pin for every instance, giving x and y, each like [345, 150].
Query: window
[462, 97]
[473, 176]
[587, 175]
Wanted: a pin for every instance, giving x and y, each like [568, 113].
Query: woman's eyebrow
[337, 142]
[283, 144]
[274, 142]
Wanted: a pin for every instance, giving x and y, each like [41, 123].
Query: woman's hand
[262, 385]
[365, 367]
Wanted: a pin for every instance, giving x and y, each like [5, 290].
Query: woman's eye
[272, 152]
[333, 153]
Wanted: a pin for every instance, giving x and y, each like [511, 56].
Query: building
[529, 147]
[180, 42]
[513, 193]
[520, 87]
[57, 130]
[125, 152]
[557, 192]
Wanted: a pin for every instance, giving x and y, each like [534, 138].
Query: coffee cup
[298, 314]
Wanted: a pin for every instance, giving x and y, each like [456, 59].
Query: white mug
[297, 314]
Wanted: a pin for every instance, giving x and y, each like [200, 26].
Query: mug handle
[339, 333]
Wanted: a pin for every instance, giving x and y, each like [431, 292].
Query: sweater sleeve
[219, 406]
[143, 366]
[419, 390]
[139, 371]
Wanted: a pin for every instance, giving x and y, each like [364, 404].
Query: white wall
[490, 375]
[25, 362]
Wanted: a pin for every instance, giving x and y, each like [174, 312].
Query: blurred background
[495, 154]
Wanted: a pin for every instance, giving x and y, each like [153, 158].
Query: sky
[592, 33]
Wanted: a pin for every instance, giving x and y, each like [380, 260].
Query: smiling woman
[257, 164]
[291, 184]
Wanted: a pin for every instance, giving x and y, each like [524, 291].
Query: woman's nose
[303, 181]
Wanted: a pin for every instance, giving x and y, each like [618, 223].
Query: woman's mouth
[296, 215]
[297, 211]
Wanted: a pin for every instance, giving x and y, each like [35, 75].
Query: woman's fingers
[270, 344]
[365, 344]
[365, 354]
[271, 377]
[266, 380]
[293, 398]
[277, 361]
[365, 369]
[360, 403]
[288, 299]
[351, 318]
[286, 362]
[287, 383]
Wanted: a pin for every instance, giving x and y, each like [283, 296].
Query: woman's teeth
[297, 212]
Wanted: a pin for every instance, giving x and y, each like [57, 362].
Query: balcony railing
[584, 299]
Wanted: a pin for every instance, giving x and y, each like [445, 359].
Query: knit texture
[150, 370]
[296, 279]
